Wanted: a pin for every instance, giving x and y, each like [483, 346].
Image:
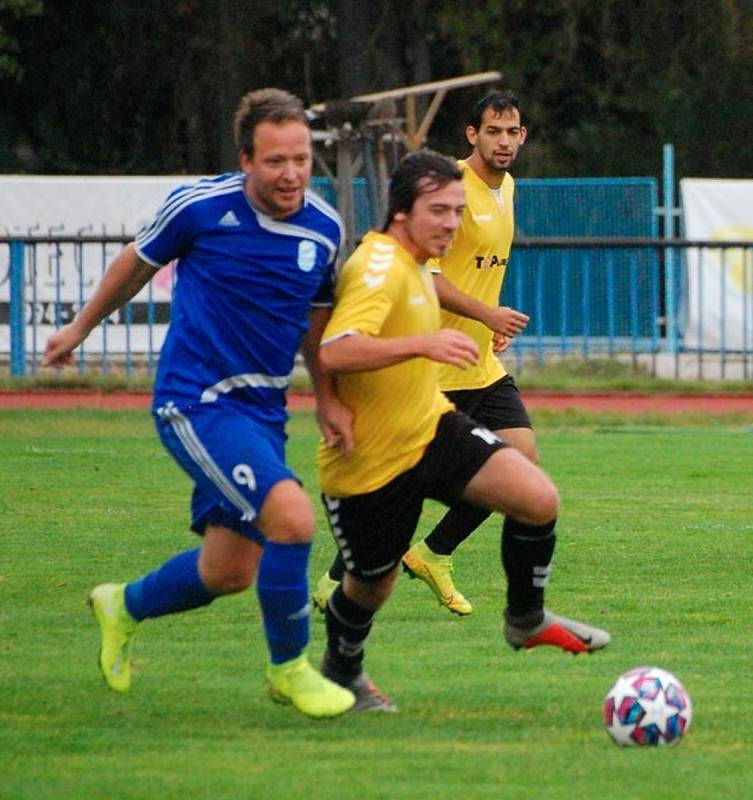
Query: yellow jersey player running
[384, 345]
[468, 280]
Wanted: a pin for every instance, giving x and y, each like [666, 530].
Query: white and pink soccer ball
[647, 706]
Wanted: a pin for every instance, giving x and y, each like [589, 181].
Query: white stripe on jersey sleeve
[330, 339]
[183, 199]
[200, 186]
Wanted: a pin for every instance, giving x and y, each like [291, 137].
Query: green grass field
[654, 544]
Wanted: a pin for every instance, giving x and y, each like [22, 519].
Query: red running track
[626, 403]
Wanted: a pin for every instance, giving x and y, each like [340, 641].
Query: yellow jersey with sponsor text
[382, 291]
[476, 264]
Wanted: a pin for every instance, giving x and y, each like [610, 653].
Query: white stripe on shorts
[188, 438]
[333, 514]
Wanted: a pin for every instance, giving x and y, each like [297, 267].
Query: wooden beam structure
[348, 121]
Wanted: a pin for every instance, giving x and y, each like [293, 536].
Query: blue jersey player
[255, 254]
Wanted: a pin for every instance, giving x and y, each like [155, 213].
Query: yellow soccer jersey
[476, 265]
[381, 291]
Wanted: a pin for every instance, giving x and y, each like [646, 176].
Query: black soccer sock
[337, 568]
[348, 626]
[455, 527]
[526, 558]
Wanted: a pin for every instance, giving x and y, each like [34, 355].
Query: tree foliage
[606, 83]
[109, 87]
[13, 9]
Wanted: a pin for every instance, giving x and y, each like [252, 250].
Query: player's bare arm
[124, 278]
[500, 319]
[359, 352]
[335, 419]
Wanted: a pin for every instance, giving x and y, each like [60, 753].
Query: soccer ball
[647, 706]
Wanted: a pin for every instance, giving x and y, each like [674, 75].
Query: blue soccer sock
[173, 587]
[283, 592]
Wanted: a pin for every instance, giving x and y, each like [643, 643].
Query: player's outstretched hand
[60, 346]
[500, 343]
[336, 424]
[507, 321]
[452, 347]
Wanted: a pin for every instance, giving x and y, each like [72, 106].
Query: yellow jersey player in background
[384, 347]
[469, 284]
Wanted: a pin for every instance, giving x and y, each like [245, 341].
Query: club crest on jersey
[306, 255]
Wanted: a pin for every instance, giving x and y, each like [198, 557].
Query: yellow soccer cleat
[117, 628]
[436, 572]
[324, 588]
[297, 682]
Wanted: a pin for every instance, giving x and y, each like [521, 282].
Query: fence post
[670, 290]
[17, 311]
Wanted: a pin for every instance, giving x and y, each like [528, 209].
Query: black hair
[498, 100]
[418, 172]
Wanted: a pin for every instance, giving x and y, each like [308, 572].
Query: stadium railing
[684, 301]
[641, 299]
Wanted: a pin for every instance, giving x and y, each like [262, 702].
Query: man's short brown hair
[264, 105]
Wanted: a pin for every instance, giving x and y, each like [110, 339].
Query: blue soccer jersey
[245, 284]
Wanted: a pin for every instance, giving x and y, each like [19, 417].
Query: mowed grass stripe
[653, 544]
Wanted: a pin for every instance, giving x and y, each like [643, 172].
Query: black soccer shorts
[498, 406]
[374, 530]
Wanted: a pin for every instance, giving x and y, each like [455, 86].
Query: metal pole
[670, 290]
[17, 322]
[345, 185]
[372, 183]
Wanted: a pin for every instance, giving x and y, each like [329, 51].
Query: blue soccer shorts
[233, 459]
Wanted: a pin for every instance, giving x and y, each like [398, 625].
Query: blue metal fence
[596, 317]
[578, 296]
[587, 266]
[582, 207]
[364, 204]
[16, 321]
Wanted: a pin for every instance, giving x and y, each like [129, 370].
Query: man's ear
[244, 159]
[472, 135]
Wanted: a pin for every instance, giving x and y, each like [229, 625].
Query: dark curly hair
[417, 173]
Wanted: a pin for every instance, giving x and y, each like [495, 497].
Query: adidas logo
[229, 220]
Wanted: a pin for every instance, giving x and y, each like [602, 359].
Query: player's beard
[495, 168]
